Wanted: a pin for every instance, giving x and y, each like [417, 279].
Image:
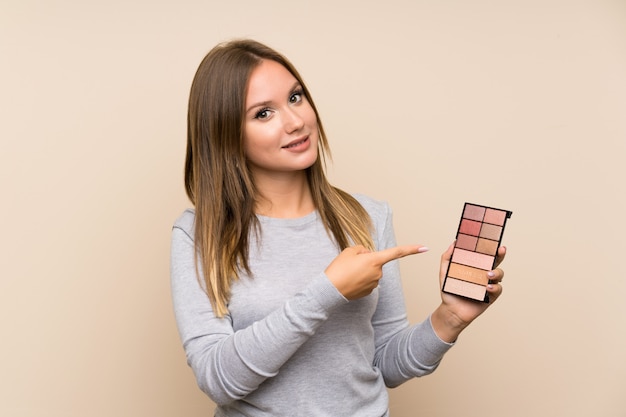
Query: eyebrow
[295, 86]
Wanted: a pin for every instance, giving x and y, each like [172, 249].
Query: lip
[298, 144]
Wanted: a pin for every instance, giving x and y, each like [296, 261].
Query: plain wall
[515, 104]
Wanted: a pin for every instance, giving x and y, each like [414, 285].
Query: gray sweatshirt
[291, 344]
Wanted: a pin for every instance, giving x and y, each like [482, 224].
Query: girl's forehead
[267, 78]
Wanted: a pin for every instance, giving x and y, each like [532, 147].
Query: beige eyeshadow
[465, 289]
[490, 247]
[490, 231]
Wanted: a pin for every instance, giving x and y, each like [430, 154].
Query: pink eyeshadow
[474, 212]
[495, 217]
[469, 227]
[466, 242]
[477, 260]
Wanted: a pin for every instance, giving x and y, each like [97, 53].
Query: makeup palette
[477, 241]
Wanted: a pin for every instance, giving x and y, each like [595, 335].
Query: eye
[296, 97]
[262, 114]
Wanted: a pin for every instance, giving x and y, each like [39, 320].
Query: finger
[494, 290]
[445, 261]
[500, 255]
[398, 252]
[495, 276]
[447, 255]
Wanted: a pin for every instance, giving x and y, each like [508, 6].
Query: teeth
[296, 144]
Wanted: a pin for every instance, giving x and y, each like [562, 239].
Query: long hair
[221, 187]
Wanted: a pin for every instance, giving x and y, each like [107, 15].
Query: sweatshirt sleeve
[402, 351]
[228, 365]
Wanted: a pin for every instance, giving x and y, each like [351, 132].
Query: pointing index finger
[390, 254]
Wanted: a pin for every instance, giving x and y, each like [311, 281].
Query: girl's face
[280, 129]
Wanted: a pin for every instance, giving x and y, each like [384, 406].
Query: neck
[284, 196]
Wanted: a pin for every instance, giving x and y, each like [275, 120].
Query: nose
[292, 120]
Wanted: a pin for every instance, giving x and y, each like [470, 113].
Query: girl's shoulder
[377, 209]
[186, 222]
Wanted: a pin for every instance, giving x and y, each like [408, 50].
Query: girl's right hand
[356, 270]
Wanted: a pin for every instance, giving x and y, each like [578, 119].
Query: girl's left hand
[456, 313]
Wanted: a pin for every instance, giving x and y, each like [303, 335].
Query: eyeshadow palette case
[477, 241]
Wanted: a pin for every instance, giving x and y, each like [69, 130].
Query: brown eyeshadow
[489, 247]
[467, 273]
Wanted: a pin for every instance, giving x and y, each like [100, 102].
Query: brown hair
[217, 179]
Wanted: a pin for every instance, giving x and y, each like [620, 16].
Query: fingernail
[423, 249]
[490, 286]
[491, 274]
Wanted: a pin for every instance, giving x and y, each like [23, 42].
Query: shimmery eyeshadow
[490, 247]
[467, 273]
[477, 260]
[468, 289]
[494, 216]
[490, 231]
[470, 227]
[473, 212]
[477, 242]
[466, 242]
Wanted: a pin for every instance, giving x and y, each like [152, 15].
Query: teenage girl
[287, 289]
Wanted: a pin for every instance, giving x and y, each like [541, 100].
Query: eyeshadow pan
[489, 247]
[470, 227]
[495, 216]
[470, 258]
[466, 242]
[468, 289]
[490, 231]
[477, 241]
[467, 273]
[473, 212]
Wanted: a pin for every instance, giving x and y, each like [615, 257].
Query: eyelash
[298, 92]
[259, 114]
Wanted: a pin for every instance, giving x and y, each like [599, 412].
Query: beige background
[518, 104]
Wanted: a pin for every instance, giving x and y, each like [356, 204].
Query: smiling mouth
[294, 144]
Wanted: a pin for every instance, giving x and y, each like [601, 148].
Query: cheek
[257, 140]
[250, 138]
[311, 118]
